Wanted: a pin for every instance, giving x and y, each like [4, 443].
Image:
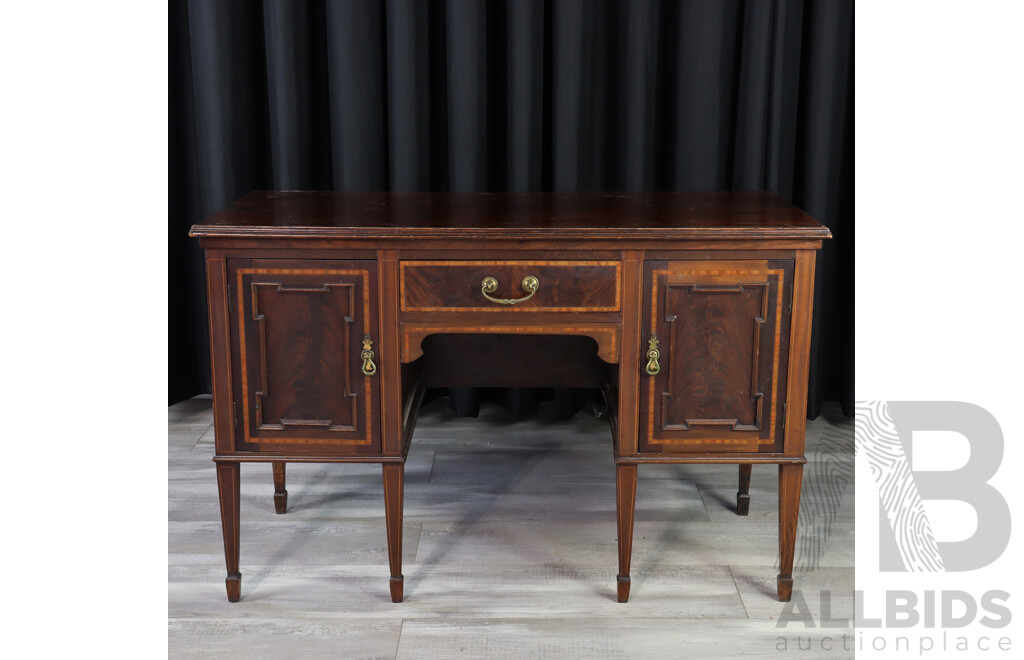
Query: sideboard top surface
[590, 215]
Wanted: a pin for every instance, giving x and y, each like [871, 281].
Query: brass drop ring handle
[490, 285]
[369, 368]
[653, 367]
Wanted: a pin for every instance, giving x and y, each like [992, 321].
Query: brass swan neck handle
[530, 285]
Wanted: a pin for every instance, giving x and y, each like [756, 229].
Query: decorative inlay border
[720, 268]
[247, 431]
[512, 308]
[606, 335]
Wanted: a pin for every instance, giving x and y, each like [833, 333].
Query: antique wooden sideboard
[331, 313]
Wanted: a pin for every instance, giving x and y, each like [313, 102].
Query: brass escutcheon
[369, 368]
[653, 368]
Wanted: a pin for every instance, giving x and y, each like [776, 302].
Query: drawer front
[562, 286]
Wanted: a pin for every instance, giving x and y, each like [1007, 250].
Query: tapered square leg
[228, 486]
[743, 494]
[394, 487]
[280, 494]
[625, 506]
[790, 478]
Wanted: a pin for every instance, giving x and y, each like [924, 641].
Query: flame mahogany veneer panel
[565, 286]
[299, 327]
[723, 330]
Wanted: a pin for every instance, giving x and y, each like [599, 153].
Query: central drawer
[511, 286]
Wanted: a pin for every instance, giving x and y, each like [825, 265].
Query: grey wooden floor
[510, 550]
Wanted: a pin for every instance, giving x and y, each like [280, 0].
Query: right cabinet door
[721, 332]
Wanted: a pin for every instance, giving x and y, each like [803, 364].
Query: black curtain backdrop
[466, 95]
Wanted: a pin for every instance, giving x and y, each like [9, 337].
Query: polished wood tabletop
[654, 215]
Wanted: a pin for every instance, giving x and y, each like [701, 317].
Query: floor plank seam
[200, 437]
[738, 594]
[398, 643]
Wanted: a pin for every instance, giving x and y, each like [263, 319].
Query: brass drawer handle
[653, 368]
[490, 285]
[369, 368]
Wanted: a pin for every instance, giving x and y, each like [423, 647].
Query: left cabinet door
[298, 331]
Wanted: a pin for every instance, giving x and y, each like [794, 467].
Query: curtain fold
[526, 91]
[357, 80]
[639, 99]
[409, 113]
[299, 114]
[513, 95]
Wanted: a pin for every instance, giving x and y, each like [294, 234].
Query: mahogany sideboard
[330, 313]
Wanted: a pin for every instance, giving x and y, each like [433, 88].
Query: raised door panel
[299, 332]
[721, 329]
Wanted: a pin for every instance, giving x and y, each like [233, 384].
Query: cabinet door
[298, 329]
[722, 331]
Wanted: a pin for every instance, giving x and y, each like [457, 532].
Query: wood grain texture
[790, 479]
[512, 216]
[414, 388]
[625, 505]
[494, 246]
[218, 304]
[565, 286]
[721, 327]
[606, 335]
[743, 491]
[300, 326]
[228, 483]
[390, 367]
[394, 492]
[800, 352]
[280, 493]
[714, 458]
[627, 386]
